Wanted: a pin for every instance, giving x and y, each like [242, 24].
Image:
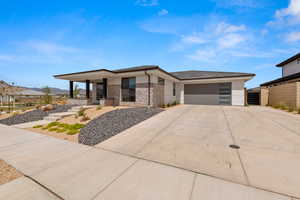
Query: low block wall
[287, 94]
[80, 102]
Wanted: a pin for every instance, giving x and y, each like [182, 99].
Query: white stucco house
[150, 85]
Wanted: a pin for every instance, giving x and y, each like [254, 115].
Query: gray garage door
[208, 94]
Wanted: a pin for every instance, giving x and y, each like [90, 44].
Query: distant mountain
[55, 91]
[58, 91]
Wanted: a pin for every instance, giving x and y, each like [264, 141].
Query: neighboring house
[150, 85]
[284, 90]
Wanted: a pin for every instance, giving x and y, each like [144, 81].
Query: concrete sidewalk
[57, 169]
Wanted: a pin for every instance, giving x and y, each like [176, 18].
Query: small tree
[47, 97]
[76, 91]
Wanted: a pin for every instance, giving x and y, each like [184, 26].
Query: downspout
[149, 85]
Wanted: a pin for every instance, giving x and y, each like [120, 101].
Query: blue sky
[42, 38]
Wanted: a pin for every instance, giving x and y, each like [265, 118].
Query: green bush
[298, 111]
[73, 132]
[58, 127]
[174, 103]
[61, 130]
[168, 105]
[54, 129]
[77, 126]
[291, 109]
[99, 107]
[85, 118]
[81, 112]
[38, 126]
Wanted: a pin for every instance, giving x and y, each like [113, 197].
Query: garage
[208, 94]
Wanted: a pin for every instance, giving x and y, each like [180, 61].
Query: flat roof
[195, 74]
[287, 61]
[279, 80]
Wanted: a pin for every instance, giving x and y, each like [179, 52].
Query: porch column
[71, 90]
[105, 88]
[87, 88]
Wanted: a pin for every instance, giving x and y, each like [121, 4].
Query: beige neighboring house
[284, 90]
[150, 85]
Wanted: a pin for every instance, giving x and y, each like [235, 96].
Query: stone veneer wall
[158, 95]
[114, 92]
[141, 93]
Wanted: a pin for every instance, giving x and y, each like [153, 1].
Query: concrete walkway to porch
[58, 169]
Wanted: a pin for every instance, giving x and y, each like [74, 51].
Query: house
[150, 85]
[284, 90]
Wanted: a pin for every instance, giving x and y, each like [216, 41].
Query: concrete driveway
[197, 138]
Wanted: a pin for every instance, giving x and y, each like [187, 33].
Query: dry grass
[7, 173]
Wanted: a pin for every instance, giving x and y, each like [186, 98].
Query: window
[174, 89]
[161, 81]
[128, 89]
[99, 91]
[298, 61]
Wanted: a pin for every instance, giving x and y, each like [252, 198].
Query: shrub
[54, 129]
[163, 106]
[85, 118]
[298, 111]
[77, 126]
[73, 132]
[81, 112]
[168, 105]
[15, 113]
[61, 130]
[99, 107]
[38, 126]
[53, 124]
[174, 103]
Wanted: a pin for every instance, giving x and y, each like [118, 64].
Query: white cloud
[293, 37]
[6, 57]
[147, 3]
[230, 40]
[193, 39]
[163, 12]
[228, 28]
[237, 3]
[49, 47]
[203, 55]
[287, 16]
[292, 10]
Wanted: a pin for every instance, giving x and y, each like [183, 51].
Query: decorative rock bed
[33, 115]
[114, 122]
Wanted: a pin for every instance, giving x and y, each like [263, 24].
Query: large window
[99, 91]
[128, 89]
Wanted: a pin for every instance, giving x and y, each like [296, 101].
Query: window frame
[131, 91]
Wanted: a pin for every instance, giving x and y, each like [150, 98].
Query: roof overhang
[218, 80]
[283, 79]
[291, 59]
[86, 75]
[95, 75]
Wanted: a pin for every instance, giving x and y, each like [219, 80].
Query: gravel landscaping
[33, 115]
[114, 122]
